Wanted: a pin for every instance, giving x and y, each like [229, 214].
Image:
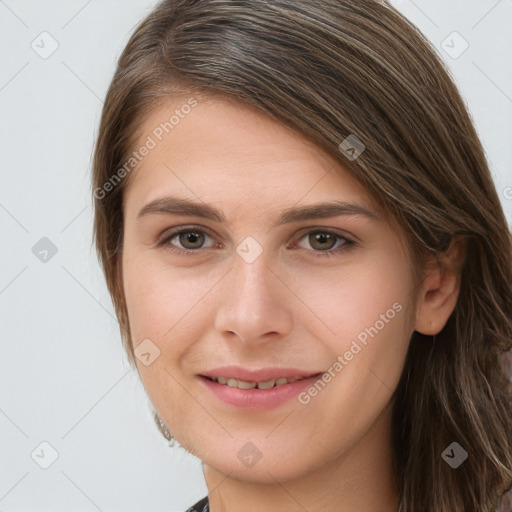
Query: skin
[288, 308]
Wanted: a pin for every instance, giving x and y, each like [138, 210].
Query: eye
[324, 242]
[192, 239]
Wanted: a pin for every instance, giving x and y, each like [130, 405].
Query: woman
[238, 138]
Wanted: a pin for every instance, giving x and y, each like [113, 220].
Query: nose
[255, 302]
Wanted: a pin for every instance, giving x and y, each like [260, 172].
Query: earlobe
[440, 289]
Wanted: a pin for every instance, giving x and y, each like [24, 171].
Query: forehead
[224, 148]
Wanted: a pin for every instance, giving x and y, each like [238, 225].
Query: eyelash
[348, 243]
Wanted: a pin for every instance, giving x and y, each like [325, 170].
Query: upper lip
[257, 375]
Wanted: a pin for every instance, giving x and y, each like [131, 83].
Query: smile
[243, 384]
[256, 396]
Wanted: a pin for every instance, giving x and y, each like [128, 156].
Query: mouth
[260, 385]
[256, 388]
[256, 396]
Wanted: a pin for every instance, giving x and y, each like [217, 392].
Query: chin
[266, 470]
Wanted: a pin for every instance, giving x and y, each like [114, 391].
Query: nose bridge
[252, 270]
[253, 299]
[254, 277]
[253, 280]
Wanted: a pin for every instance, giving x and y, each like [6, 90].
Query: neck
[361, 478]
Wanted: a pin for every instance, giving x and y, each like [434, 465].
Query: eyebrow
[188, 207]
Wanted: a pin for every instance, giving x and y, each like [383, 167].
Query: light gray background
[64, 379]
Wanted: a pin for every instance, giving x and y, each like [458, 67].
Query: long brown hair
[329, 69]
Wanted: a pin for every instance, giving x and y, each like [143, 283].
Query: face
[260, 286]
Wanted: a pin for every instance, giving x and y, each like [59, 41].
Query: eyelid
[336, 231]
[304, 231]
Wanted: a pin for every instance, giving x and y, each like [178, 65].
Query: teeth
[242, 384]
[266, 384]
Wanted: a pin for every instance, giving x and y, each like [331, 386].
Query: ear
[439, 290]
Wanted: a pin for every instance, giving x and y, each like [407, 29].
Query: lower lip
[258, 399]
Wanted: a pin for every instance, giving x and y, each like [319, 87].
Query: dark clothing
[200, 506]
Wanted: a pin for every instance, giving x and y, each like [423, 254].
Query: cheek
[343, 301]
[156, 296]
[160, 303]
